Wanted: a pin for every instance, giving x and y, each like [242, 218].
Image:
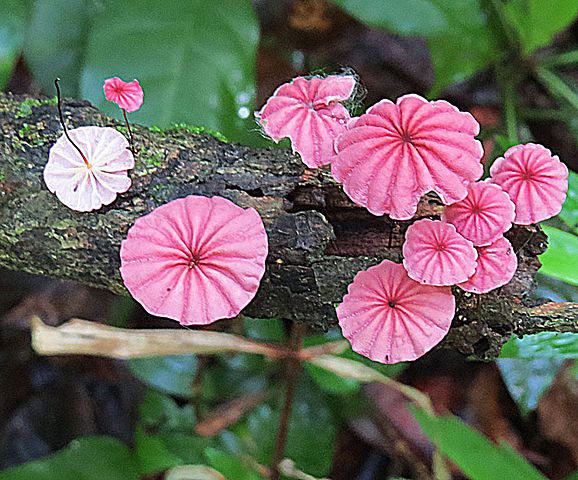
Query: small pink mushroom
[436, 254]
[497, 264]
[390, 318]
[395, 153]
[127, 95]
[195, 259]
[308, 112]
[86, 181]
[484, 215]
[535, 180]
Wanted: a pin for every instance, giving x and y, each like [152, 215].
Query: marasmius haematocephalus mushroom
[434, 253]
[129, 96]
[88, 166]
[396, 152]
[195, 259]
[496, 266]
[390, 318]
[308, 112]
[484, 215]
[535, 180]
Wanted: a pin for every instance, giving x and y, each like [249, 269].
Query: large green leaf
[476, 456]
[170, 374]
[542, 345]
[536, 21]
[56, 40]
[559, 260]
[91, 458]
[230, 465]
[527, 379]
[195, 60]
[457, 31]
[13, 19]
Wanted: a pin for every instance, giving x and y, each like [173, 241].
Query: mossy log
[318, 238]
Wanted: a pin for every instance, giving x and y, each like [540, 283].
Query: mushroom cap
[395, 153]
[308, 112]
[497, 264]
[85, 189]
[127, 95]
[195, 259]
[484, 215]
[390, 318]
[535, 180]
[434, 253]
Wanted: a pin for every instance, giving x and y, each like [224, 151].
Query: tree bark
[318, 238]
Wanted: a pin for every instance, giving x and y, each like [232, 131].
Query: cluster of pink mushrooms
[199, 259]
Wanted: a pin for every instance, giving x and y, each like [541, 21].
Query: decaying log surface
[318, 238]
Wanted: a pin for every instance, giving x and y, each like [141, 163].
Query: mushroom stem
[130, 137]
[86, 162]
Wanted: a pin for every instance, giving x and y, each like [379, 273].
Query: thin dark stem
[293, 368]
[197, 387]
[86, 162]
[130, 138]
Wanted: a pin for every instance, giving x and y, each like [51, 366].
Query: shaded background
[513, 64]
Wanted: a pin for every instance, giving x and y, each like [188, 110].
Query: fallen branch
[318, 239]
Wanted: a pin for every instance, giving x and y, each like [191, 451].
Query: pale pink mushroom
[390, 318]
[535, 180]
[195, 259]
[88, 186]
[434, 253]
[395, 153]
[127, 95]
[497, 264]
[308, 112]
[484, 215]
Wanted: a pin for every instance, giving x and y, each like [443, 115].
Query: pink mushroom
[127, 95]
[390, 318]
[395, 153]
[535, 180]
[436, 254]
[195, 259]
[497, 264]
[308, 112]
[87, 181]
[484, 215]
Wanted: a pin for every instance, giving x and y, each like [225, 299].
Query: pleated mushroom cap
[308, 112]
[390, 318]
[395, 153]
[195, 259]
[86, 188]
[535, 180]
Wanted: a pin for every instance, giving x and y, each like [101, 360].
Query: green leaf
[464, 48]
[265, 329]
[427, 16]
[459, 39]
[542, 345]
[56, 40]
[311, 436]
[196, 62]
[537, 21]
[170, 374]
[473, 453]
[91, 458]
[12, 27]
[153, 454]
[527, 380]
[569, 213]
[557, 260]
[230, 465]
